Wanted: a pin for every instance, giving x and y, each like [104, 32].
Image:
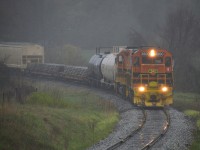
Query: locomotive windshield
[149, 60]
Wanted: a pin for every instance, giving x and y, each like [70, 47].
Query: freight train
[143, 75]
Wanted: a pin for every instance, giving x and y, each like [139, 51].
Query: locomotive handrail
[160, 76]
[141, 77]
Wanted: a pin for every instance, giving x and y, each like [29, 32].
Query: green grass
[184, 101]
[189, 103]
[56, 119]
[45, 99]
[192, 113]
[196, 143]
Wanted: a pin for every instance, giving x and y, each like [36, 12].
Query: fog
[85, 24]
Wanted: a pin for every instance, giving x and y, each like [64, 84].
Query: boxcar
[18, 55]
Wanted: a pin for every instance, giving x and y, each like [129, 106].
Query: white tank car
[108, 68]
[102, 65]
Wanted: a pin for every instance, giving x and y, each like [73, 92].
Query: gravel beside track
[178, 137]
[155, 121]
[130, 119]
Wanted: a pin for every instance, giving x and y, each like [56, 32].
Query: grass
[192, 113]
[56, 119]
[184, 101]
[198, 123]
[45, 99]
[189, 103]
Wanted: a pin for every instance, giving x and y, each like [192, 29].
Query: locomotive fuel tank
[108, 68]
[94, 66]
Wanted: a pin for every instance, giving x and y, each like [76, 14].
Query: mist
[86, 24]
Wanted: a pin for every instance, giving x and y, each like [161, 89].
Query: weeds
[56, 119]
[189, 103]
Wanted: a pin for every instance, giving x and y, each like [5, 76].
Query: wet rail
[122, 141]
[162, 133]
[153, 127]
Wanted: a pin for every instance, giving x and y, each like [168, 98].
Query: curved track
[155, 124]
[122, 141]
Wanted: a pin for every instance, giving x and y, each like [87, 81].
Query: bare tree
[179, 28]
[180, 37]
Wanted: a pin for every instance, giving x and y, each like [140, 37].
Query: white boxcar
[18, 55]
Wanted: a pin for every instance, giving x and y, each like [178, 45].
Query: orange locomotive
[145, 76]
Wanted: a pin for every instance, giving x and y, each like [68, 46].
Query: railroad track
[153, 127]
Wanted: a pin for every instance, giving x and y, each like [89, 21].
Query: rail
[149, 144]
[164, 131]
[116, 145]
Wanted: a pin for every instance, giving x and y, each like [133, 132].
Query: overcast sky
[84, 23]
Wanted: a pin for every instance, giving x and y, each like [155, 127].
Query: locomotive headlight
[141, 88]
[152, 53]
[164, 89]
